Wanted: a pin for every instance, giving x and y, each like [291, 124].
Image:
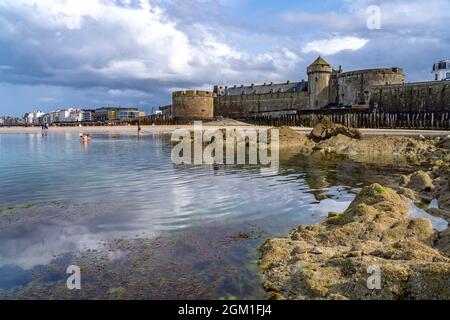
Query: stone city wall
[242, 106]
[354, 86]
[412, 97]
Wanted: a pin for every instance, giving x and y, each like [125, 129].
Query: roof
[320, 62]
[286, 87]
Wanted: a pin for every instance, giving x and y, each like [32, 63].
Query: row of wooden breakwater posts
[353, 119]
[363, 120]
[309, 119]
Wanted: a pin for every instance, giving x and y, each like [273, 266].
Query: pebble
[316, 251]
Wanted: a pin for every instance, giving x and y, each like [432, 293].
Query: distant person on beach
[139, 130]
[85, 138]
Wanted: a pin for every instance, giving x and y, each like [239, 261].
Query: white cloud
[335, 45]
[150, 46]
[48, 99]
[115, 45]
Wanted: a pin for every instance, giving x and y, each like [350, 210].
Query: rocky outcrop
[327, 137]
[332, 260]
[419, 181]
[392, 146]
[427, 186]
[290, 138]
[445, 144]
[327, 129]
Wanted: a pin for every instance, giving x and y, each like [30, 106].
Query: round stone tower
[193, 105]
[319, 75]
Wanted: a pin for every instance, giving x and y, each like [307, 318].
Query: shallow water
[142, 227]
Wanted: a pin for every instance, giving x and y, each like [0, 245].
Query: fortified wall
[354, 87]
[382, 89]
[193, 105]
[411, 97]
[242, 101]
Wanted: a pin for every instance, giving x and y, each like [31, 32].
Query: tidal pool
[141, 227]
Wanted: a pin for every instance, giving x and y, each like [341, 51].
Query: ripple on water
[117, 187]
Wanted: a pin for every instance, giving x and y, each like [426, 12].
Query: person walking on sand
[139, 130]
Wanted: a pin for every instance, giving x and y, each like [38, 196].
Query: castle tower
[193, 105]
[319, 76]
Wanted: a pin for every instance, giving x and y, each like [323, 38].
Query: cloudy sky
[91, 53]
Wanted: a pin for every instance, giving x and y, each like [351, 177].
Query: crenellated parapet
[193, 93]
[193, 104]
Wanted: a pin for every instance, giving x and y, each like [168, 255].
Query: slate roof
[290, 87]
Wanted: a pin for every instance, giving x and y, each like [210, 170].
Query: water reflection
[67, 199]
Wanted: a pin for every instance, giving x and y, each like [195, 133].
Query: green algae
[336, 217]
[7, 210]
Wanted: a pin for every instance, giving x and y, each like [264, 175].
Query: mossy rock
[336, 218]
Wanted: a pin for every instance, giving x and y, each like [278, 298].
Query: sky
[94, 53]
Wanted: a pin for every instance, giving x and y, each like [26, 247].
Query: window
[448, 76]
[442, 65]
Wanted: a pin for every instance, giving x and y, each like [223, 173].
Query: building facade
[166, 110]
[10, 121]
[441, 70]
[114, 114]
[128, 114]
[33, 118]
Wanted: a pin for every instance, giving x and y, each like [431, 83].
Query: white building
[76, 115]
[63, 115]
[68, 115]
[34, 117]
[441, 70]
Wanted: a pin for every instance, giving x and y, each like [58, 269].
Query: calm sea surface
[142, 227]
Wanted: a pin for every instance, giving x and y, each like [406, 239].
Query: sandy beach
[171, 128]
[148, 129]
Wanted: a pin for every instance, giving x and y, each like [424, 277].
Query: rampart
[193, 105]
